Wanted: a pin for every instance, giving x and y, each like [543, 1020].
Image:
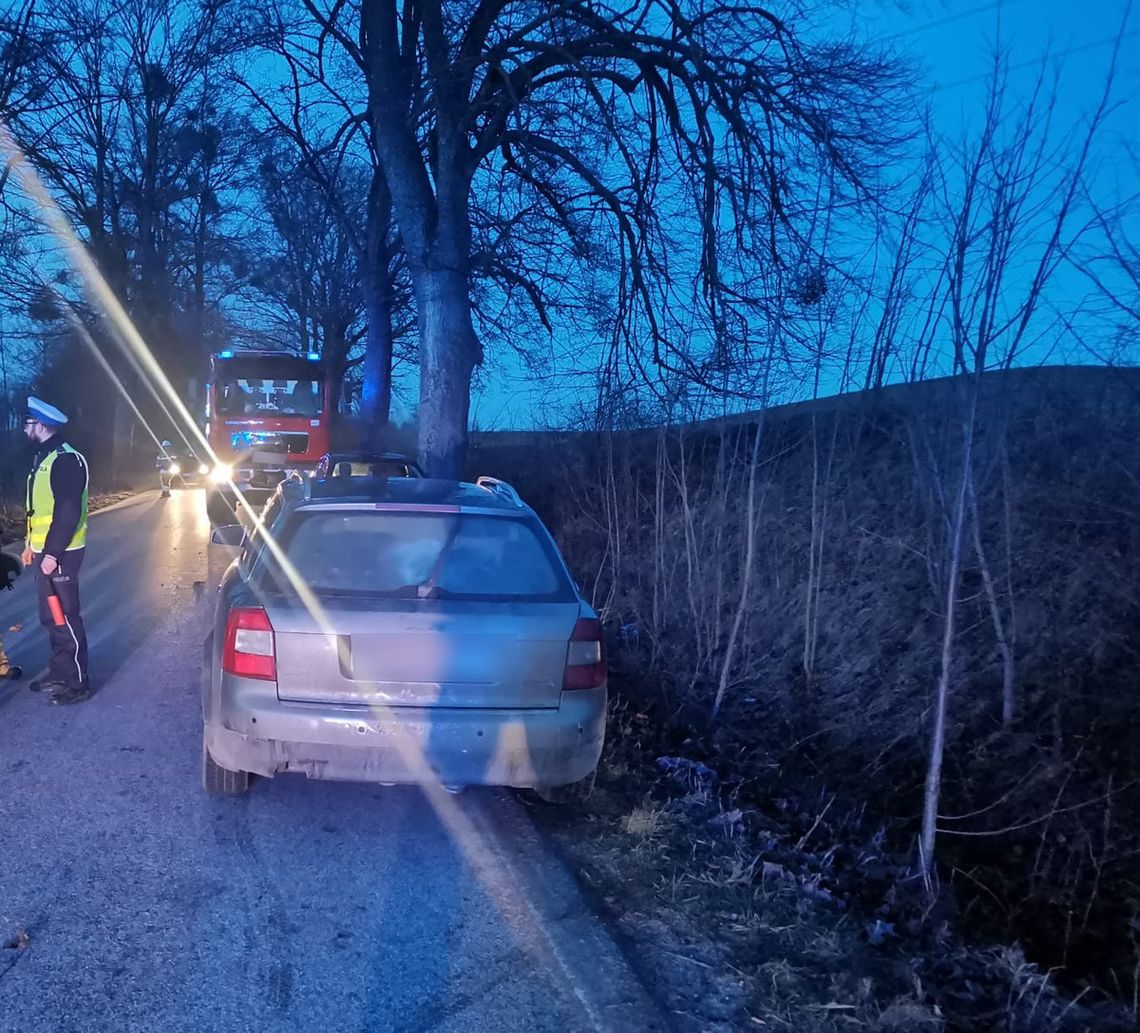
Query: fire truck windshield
[256, 396]
[266, 385]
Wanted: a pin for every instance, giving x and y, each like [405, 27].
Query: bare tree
[751, 522]
[1008, 204]
[15, 26]
[312, 99]
[121, 122]
[307, 265]
[622, 120]
[1111, 262]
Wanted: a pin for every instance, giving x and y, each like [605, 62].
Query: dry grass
[742, 921]
[647, 823]
[12, 513]
[908, 1014]
[834, 759]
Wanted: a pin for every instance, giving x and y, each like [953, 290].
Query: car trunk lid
[421, 653]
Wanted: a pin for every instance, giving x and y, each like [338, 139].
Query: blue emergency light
[314, 356]
[225, 355]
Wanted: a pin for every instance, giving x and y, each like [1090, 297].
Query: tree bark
[448, 354]
[121, 440]
[1005, 645]
[746, 580]
[376, 390]
[334, 355]
[933, 789]
[431, 208]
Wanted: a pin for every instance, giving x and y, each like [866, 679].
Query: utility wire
[947, 20]
[1082, 48]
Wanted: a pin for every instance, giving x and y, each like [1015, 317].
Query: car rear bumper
[257, 732]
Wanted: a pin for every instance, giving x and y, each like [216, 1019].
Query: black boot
[45, 685]
[65, 696]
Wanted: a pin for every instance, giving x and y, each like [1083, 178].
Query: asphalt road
[129, 900]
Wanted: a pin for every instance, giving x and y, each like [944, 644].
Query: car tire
[219, 781]
[567, 795]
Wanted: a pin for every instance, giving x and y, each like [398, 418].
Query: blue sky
[951, 42]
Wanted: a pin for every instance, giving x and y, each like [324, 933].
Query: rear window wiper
[428, 590]
[404, 592]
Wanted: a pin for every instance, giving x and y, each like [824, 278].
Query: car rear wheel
[567, 795]
[219, 781]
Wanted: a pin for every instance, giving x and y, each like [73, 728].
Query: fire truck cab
[267, 416]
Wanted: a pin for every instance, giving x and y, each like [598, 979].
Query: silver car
[407, 630]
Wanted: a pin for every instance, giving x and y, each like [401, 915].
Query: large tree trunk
[376, 390]
[121, 442]
[334, 355]
[448, 355]
[431, 207]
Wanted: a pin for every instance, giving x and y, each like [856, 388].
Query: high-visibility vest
[41, 502]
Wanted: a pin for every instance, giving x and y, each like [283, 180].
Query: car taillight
[586, 656]
[250, 651]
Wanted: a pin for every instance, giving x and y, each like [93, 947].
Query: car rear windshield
[375, 468]
[418, 556]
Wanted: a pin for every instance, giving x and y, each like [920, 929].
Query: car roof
[362, 455]
[412, 492]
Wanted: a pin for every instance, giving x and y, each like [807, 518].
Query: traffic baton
[55, 605]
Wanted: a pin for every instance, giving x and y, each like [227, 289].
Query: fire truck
[267, 415]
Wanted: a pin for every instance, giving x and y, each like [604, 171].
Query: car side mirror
[229, 534]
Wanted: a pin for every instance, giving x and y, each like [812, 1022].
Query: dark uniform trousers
[68, 663]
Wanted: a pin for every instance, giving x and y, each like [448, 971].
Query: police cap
[46, 414]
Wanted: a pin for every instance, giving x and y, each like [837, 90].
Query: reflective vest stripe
[41, 502]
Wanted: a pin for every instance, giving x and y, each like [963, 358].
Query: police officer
[55, 545]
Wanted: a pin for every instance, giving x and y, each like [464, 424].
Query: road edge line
[590, 960]
[17, 547]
